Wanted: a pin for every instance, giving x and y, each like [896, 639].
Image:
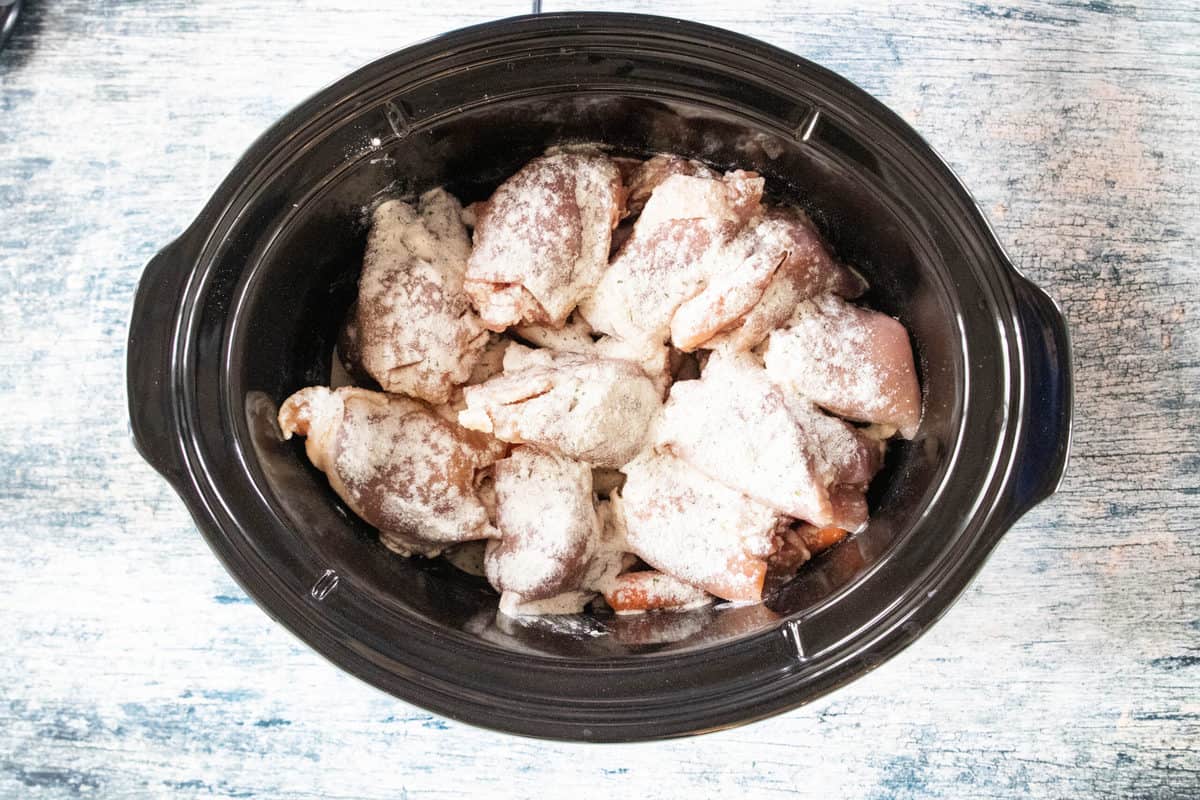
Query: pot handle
[1045, 443]
[148, 360]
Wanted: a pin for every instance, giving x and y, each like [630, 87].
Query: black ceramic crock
[242, 310]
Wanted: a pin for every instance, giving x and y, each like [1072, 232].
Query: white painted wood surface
[132, 666]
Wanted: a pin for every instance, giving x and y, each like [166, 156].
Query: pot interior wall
[300, 276]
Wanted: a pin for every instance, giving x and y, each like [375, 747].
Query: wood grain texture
[132, 666]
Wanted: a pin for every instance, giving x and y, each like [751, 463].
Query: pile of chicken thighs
[613, 382]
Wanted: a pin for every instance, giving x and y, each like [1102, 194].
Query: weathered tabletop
[132, 666]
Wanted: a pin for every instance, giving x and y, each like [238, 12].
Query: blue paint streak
[1171, 663]
[1165, 716]
[273, 722]
[220, 789]
[228, 695]
[1000, 12]
[890, 41]
[194, 783]
[905, 776]
[74, 782]
[1105, 7]
[226, 600]
[1119, 511]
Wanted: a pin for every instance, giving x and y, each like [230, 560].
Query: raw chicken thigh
[592, 409]
[671, 255]
[577, 337]
[548, 525]
[649, 174]
[542, 239]
[608, 558]
[396, 463]
[852, 361]
[690, 526]
[736, 427]
[650, 590]
[776, 261]
[844, 459]
[773, 446]
[413, 329]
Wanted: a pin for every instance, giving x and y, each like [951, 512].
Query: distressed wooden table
[132, 666]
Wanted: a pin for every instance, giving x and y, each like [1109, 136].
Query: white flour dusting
[542, 239]
[670, 256]
[417, 333]
[595, 410]
[688, 525]
[734, 426]
[548, 525]
[395, 462]
[852, 361]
